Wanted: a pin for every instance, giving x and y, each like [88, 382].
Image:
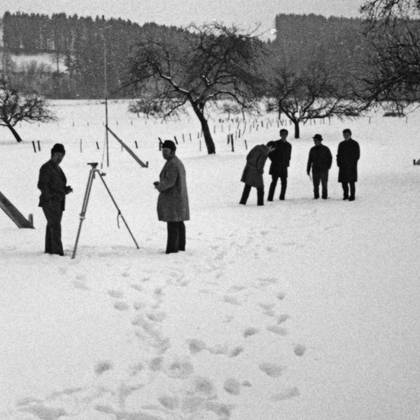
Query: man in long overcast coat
[173, 206]
[252, 176]
[280, 160]
[348, 155]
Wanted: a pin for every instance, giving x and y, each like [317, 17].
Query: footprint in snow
[156, 316]
[232, 300]
[179, 368]
[276, 329]
[267, 281]
[250, 332]
[80, 285]
[44, 412]
[196, 346]
[271, 369]
[281, 295]
[236, 288]
[282, 318]
[139, 305]
[137, 287]
[236, 351]
[218, 349]
[102, 367]
[121, 306]
[156, 364]
[285, 394]
[169, 402]
[232, 386]
[299, 350]
[117, 294]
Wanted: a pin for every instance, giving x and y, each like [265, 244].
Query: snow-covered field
[300, 309]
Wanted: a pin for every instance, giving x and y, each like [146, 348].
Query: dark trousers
[349, 186]
[53, 243]
[176, 237]
[283, 180]
[320, 177]
[247, 190]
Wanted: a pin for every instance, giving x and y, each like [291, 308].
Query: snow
[301, 309]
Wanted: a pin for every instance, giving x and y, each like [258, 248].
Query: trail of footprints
[197, 395]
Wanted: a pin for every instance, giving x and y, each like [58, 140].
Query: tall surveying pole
[106, 95]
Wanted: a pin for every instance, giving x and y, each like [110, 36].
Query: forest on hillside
[301, 41]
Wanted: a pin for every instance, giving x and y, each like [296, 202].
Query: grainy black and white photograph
[209, 210]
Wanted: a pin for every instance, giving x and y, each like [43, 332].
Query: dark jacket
[254, 168]
[173, 203]
[52, 183]
[320, 159]
[280, 158]
[348, 155]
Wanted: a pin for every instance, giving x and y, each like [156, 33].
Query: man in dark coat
[348, 155]
[172, 206]
[320, 160]
[53, 185]
[252, 175]
[280, 160]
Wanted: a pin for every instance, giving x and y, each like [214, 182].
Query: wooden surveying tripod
[94, 171]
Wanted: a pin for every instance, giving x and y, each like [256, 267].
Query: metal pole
[106, 98]
[119, 211]
[84, 208]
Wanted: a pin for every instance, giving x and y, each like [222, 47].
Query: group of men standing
[173, 207]
[318, 165]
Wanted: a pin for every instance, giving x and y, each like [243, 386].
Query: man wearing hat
[172, 206]
[53, 185]
[319, 160]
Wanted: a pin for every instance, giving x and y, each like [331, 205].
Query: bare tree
[196, 67]
[393, 30]
[16, 107]
[310, 95]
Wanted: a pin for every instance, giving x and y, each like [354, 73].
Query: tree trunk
[15, 133]
[297, 129]
[211, 148]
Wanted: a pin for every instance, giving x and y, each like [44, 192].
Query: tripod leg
[119, 211]
[84, 209]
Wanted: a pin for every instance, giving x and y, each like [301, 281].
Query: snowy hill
[302, 309]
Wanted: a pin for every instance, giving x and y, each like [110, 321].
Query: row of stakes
[230, 137]
[269, 122]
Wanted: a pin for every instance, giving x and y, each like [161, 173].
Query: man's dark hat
[169, 144]
[317, 137]
[58, 148]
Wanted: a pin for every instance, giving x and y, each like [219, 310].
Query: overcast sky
[245, 13]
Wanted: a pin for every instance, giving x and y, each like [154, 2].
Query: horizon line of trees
[315, 70]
